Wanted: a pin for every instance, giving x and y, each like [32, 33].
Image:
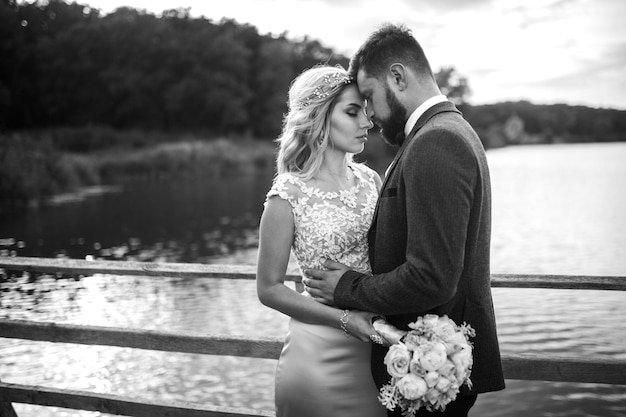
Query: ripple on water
[564, 215]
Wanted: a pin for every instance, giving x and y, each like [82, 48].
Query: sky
[543, 51]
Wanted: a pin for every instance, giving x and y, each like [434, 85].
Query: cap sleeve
[285, 186]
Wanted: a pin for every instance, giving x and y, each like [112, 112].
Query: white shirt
[418, 112]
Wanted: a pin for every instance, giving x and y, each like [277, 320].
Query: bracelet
[344, 322]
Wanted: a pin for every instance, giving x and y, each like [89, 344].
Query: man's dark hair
[385, 46]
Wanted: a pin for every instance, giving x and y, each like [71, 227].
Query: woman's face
[348, 122]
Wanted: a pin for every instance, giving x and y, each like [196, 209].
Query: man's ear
[398, 76]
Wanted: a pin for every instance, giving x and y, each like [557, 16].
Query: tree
[453, 85]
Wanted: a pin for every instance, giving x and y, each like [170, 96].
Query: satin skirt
[322, 373]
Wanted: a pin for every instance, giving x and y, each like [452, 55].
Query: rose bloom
[450, 347]
[447, 369]
[412, 387]
[431, 320]
[432, 396]
[462, 359]
[443, 384]
[432, 356]
[458, 339]
[413, 341]
[431, 378]
[445, 327]
[415, 367]
[397, 360]
[461, 374]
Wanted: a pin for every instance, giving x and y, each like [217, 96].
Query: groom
[430, 237]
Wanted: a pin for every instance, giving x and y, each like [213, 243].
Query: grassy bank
[33, 170]
[33, 166]
[37, 165]
[195, 158]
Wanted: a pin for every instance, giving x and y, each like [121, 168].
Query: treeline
[522, 122]
[64, 64]
[67, 69]
[87, 98]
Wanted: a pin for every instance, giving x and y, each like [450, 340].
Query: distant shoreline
[38, 165]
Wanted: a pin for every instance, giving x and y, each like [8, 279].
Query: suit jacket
[429, 241]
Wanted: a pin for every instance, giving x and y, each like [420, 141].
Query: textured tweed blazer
[429, 241]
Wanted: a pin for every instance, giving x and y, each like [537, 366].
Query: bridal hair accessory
[331, 82]
[428, 365]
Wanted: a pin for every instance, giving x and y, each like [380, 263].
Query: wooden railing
[525, 367]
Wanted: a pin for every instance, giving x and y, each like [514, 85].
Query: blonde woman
[320, 206]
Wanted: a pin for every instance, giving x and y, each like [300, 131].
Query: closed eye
[353, 109]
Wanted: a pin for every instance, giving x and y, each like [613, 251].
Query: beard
[392, 129]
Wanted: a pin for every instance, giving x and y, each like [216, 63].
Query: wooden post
[6, 407]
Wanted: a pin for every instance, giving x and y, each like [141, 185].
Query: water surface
[557, 209]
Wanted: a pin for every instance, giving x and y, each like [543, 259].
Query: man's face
[383, 107]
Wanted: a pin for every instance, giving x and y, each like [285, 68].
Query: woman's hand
[360, 325]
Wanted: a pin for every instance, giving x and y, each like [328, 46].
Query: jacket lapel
[446, 106]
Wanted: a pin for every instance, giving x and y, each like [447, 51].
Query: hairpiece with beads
[331, 82]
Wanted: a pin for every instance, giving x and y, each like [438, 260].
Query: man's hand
[321, 283]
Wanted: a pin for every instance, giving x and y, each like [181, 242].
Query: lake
[557, 209]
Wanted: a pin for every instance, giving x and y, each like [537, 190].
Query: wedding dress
[321, 372]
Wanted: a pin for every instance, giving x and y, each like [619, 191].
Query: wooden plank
[527, 367]
[128, 268]
[75, 267]
[113, 404]
[564, 369]
[563, 282]
[260, 347]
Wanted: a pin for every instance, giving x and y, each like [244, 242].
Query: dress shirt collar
[418, 112]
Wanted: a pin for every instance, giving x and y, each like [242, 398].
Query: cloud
[606, 74]
[444, 6]
[596, 83]
[536, 13]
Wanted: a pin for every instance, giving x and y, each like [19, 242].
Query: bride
[320, 206]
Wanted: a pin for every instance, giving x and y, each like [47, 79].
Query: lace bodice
[330, 225]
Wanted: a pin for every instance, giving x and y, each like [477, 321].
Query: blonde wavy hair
[306, 126]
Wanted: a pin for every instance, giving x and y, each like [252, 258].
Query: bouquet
[428, 364]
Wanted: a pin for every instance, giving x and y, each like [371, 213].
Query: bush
[196, 158]
[32, 170]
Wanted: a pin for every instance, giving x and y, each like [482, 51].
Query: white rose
[412, 387]
[397, 360]
[462, 359]
[450, 347]
[447, 369]
[431, 378]
[457, 339]
[415, 367]
[443, 384]
[460, 375]
[432, 396]
[431, 320]
[413, 341]
[445, 329]
[432, 356]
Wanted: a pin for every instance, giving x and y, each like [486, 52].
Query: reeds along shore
[37, 165]
[34, 166]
